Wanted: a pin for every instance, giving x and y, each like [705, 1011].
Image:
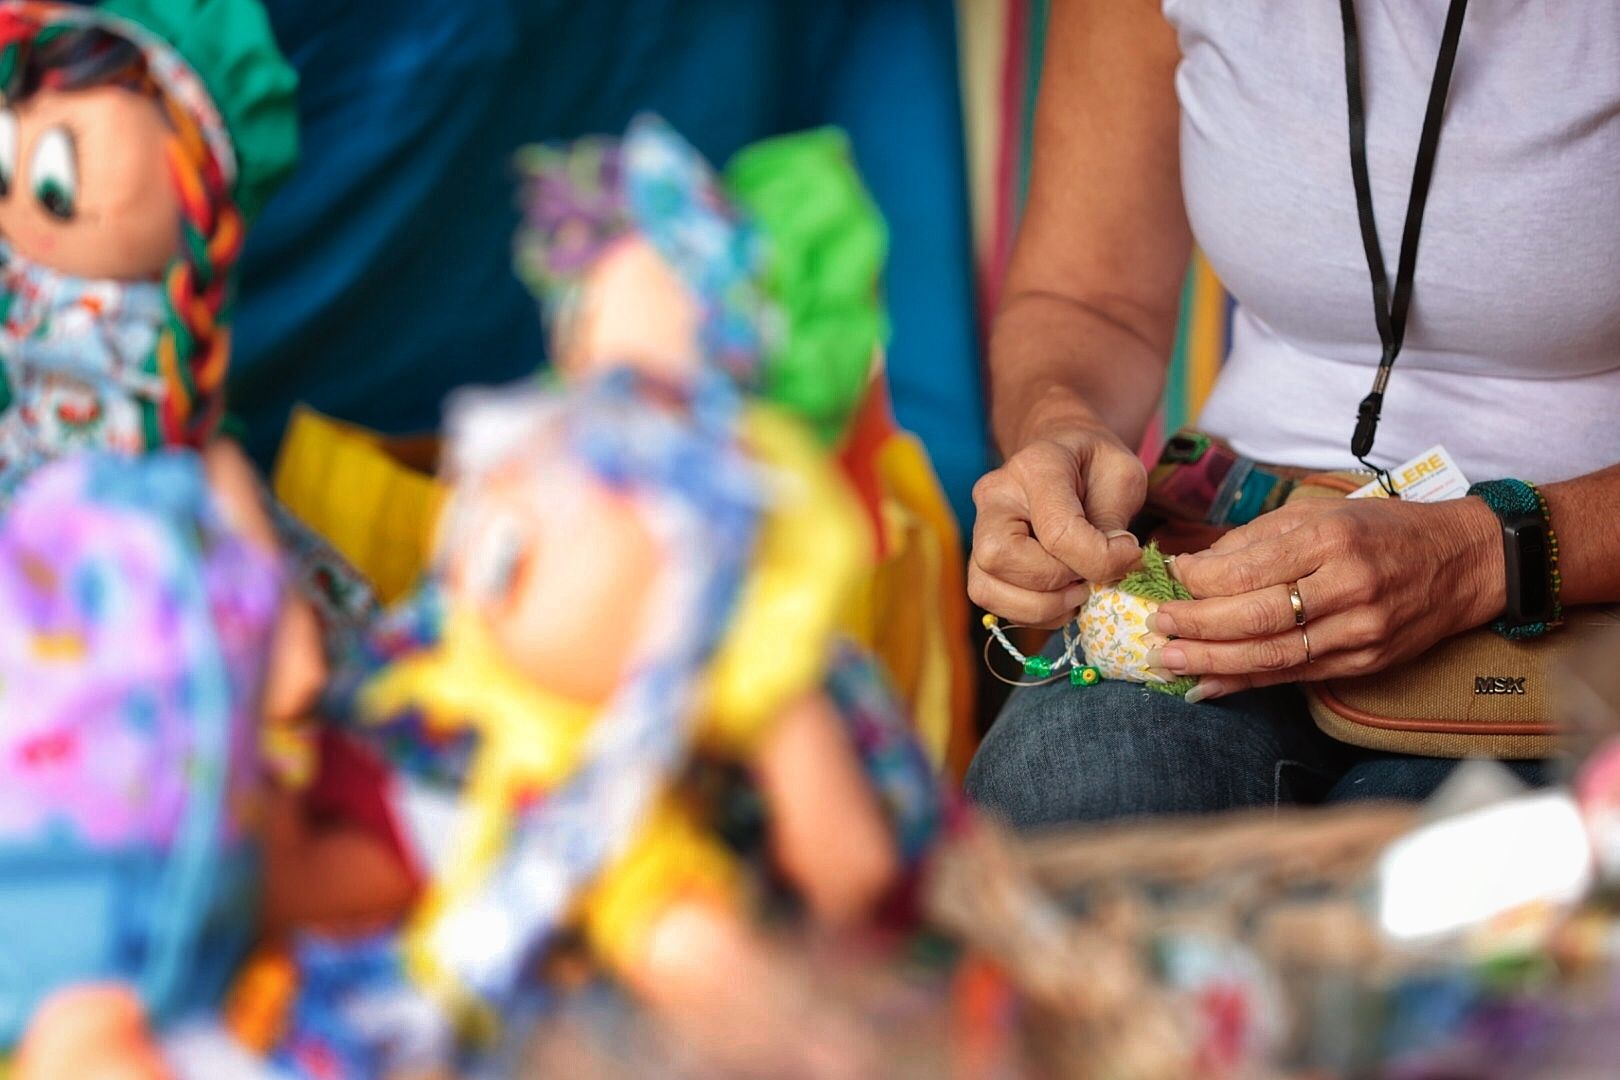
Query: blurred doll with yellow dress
[624, 589]
[640, 573]
[637, 572]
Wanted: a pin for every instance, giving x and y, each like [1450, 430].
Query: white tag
[1457, 874]
[1432, 476]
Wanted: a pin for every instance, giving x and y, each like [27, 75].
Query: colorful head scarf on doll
[133, 629]
[697, 492]
[150, 357]
[583, 198]
[785, 256]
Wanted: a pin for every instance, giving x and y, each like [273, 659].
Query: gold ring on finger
[1306, 638]
[1298, 604]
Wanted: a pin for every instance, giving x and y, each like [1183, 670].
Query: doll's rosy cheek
[580, 604]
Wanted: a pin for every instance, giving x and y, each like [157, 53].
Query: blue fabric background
[380, 277]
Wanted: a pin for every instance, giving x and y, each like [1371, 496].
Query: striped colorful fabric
[1002, 46]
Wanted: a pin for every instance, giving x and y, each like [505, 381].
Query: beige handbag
[1474, 695]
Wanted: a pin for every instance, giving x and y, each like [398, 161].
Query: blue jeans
[1062, 754]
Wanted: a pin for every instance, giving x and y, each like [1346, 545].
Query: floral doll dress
[133, 631]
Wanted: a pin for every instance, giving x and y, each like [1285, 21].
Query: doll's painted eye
[497, 558]
[8, 150]
[54, 173]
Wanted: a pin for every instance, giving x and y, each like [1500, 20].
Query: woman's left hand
[1380, 580]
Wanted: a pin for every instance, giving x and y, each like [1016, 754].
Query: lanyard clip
[1367, 425]
[1366, 432]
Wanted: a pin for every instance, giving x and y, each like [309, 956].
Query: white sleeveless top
[1512, 353]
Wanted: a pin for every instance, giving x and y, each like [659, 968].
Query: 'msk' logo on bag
[1496, 684]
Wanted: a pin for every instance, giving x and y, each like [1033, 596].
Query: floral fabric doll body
[134, 624]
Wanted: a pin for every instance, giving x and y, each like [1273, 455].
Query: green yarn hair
[827, 244]
[1153, 582]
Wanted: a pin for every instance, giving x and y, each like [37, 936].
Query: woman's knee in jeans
[1059, 754]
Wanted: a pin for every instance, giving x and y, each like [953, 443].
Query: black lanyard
[1389, 311]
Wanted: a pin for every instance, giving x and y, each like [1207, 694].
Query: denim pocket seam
[1277, 772]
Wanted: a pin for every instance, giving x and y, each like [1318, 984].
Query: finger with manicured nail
[1206, 690]
[1161, 623]
[1170, 658]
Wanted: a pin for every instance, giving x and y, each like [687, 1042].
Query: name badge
[1432, 476]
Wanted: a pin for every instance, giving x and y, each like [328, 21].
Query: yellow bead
[1084, 676]
[990, 621]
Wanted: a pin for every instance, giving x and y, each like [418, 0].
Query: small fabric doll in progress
[1112, 625]
[134, 625]
[605, 611]
[138, 141]
[1109, 638]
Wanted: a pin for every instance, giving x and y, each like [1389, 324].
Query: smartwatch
[1530, 551]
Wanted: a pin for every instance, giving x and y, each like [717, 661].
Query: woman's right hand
[1087, 316]
[1051, 519]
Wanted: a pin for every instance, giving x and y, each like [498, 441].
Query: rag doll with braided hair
[138, 140]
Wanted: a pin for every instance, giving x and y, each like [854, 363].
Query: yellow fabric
[811, 553]
[464, 681]
[673, 858]
[291, 752]
[1115, 636]
[340, 481]
[911, 610]
[531, 742]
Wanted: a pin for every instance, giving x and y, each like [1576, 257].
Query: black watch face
[1535, 597]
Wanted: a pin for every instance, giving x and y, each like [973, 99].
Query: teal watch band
[1530, 549]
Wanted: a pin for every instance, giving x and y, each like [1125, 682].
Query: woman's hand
[1087, 315]
[1381, 581]
[1052, 518]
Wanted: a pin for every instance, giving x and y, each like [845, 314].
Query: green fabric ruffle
[827, 245]
[232, 48]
